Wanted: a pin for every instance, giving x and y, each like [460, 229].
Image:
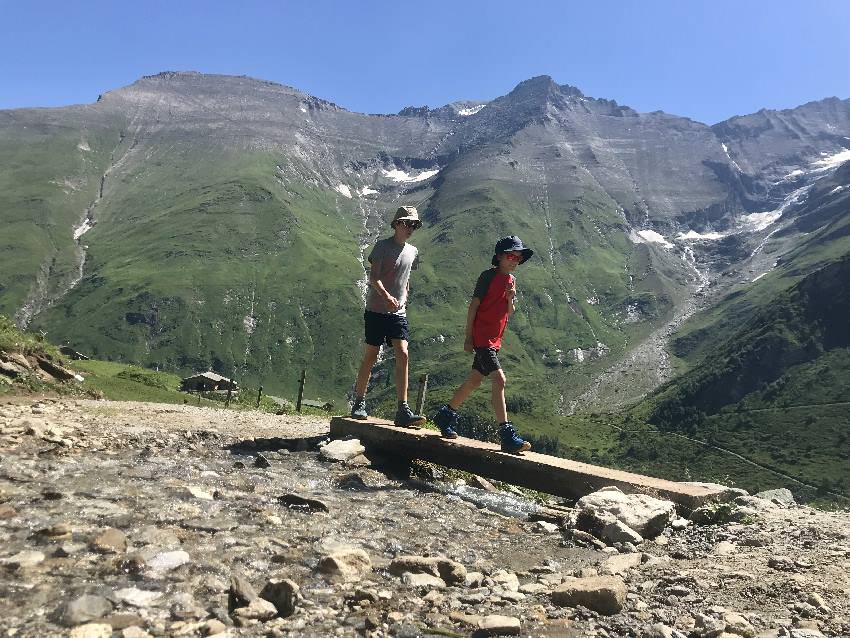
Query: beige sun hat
[406, 213]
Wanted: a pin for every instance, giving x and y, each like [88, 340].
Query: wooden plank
[550, 474]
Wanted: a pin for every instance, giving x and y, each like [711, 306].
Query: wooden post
[420, 395]
[301, 390]
[259, 395]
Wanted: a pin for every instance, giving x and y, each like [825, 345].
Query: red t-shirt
[492, 315]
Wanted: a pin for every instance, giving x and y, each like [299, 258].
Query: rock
[679, 524]
[482, 484]
[7, 511]
[545, 527]
[620, 563]
[346, 564]
[241, 592]
[448, 570]
[423, 581]
[800, 632]
[724, 548]
[738, 625]
[166, 561]
[342, 449]
[92, 630]
[283, 594]
[708, 627]
[199, 492]
[112, 541]
[659, 630]
[123, 621]
[603, 594]
[24, 559]
[213, 627]
[533, 588]
[297, 502]
[473, 579]
[644, 514]
[258, 609]
[495, 625]
[781, 563]
[57, 530]
[782, 497]
[85, 608]
[138, 597]
[506, 579]
[134, 632]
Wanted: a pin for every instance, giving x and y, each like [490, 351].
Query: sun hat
[406, 213]
[509, 244]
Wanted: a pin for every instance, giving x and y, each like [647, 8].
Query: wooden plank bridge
[541, 472]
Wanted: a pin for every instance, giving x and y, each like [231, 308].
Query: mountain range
[193, 221]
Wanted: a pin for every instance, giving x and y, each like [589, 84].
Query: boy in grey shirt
[385, 318]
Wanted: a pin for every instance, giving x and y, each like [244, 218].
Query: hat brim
[526, 255]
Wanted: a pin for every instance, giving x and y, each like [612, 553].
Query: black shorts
[486, 361]
[382, 329]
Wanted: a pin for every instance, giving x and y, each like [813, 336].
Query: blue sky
[705, 60]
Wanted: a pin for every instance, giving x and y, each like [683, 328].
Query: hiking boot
[358, 410]
[404, 418]
[446, 419]
[511, 441]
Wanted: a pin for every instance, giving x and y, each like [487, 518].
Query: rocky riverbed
[132, 520]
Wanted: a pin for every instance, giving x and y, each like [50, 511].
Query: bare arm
[510, 293]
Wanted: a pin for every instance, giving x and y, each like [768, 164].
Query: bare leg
[370, 356]
[401, 359]
[497, 377]
[467, 387]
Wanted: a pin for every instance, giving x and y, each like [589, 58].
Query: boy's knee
[498, 379]
[401, 355]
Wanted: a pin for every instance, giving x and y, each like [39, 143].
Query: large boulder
[450, 571]
[346, 564]
[342, 449]
[644, 514]
[602, 594]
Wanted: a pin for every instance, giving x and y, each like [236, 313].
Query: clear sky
[707, 60]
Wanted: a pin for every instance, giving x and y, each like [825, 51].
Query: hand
[510, 290]
[392, 303]
[467, 344]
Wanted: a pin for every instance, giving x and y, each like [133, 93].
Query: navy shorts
[486, 361]
[382, 329]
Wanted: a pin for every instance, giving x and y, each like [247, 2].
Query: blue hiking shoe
[446, 420]
[511, 441]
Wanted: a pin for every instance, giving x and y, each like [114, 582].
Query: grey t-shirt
[391, 264]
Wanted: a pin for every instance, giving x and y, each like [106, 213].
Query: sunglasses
[408, 224]
[512, 257]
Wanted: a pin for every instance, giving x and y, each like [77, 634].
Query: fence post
[230, 389]
[259, 395]
[301, 390]
[420, 395]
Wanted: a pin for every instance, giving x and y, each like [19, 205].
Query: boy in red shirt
[492, 303]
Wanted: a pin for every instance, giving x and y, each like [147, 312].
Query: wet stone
[84, 609]
[112, 541]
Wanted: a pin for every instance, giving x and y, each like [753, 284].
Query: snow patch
[367, 191]
[471, 110]
[652, 237]
[759, 221]
[693, 235]
[302, 109]
[837, 189]
[398, 175]
[734, 163]
[84, 146]
[344, 190]
[832, 161]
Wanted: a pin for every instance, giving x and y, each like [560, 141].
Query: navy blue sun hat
[508, 244]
